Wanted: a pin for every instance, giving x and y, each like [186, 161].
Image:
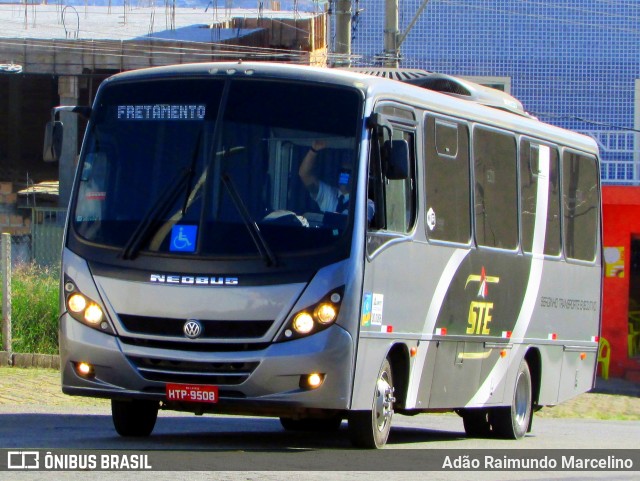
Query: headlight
[314, 318]
[303, 323]
[326, 313]
[84, 309]
[77, 303]
[93, 314]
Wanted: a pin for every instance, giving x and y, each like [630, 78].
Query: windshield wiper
[260, 242]
[141, 233]
[184, 179]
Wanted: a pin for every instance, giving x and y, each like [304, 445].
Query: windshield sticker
[376, 309]
[161, 112]
[99, 196]
[183, 238]
[366, 309]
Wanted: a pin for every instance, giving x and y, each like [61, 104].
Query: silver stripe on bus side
[500, 369]
[429, 324]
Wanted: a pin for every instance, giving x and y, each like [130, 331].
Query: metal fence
[44, 244]
[620, 155]
[47, 228]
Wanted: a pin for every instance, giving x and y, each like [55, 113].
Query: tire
[317, 425]
[513, 422]
[370, 429]
[135, 418]
[476, 423]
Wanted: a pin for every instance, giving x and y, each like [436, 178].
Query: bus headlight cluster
[314, 318]
[84, 309]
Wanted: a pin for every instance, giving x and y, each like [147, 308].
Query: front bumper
[270, 379]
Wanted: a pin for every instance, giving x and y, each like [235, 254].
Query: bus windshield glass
[210, 167]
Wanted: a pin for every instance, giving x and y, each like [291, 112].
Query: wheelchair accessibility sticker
[183, 238]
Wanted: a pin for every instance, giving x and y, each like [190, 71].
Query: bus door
[391, 302]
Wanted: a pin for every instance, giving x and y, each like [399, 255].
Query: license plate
[193, 393]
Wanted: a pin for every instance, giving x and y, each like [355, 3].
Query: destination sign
[161, 112]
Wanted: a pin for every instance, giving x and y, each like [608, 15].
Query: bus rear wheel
[135, 418]
[512, 422]
[476, 423]
[370, 429]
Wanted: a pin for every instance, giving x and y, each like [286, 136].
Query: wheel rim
[383, 405]
[522, 400]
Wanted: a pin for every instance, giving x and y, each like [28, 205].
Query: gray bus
[319, 245]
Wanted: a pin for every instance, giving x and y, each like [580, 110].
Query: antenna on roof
[67, 32]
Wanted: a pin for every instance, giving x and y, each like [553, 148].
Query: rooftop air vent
[464, 89]
[402, 74]
[446, 84]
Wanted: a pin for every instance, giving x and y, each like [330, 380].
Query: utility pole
[343, 33]
[391, 34]
[392, 37]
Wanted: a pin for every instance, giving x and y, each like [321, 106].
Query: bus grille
[218, 373]
[193, 346]
[160, 326]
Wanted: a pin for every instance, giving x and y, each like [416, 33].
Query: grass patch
[34, 308]
[606, 407]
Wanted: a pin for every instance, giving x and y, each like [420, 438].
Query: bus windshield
[210, 167]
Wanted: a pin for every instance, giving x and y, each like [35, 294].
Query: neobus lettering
[194, 280]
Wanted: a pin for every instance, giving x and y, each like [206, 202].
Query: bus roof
[383, 88]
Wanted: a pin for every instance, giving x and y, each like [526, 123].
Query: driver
[329, 198]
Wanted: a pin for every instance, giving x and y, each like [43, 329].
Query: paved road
[34, 414]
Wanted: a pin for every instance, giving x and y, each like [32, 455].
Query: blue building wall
[573, 63]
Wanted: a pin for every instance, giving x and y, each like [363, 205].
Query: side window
[393, 201]
[580, 203]
[496, 204]
[447, 180]
[539, 189]
[400, 195]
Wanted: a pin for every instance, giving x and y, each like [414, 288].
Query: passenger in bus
[328, 197]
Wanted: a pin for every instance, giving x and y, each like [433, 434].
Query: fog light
[326, 313]
[303, 323]
[84, 369]
[311, 381]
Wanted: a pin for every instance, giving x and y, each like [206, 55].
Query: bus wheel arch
[370, 428]
[513, 421]
[398, 357]
[534, 360]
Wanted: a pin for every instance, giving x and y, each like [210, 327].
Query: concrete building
[575, 64]
[58, 54]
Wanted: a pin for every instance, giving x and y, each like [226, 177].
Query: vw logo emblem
[192, 328]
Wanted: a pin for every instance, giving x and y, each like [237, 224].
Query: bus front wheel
[370, 429]
[512, 422]
[318, 425]
[135, 418]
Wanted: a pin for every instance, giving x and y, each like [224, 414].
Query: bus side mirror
[397, 161]
[53, 131]
[52, 141]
